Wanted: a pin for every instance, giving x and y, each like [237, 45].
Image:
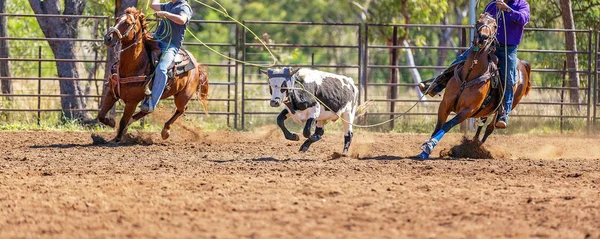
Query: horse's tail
[362, 109]
[528, 69]
[202, 89]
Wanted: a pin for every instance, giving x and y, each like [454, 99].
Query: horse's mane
[147, 35]
[486, 15]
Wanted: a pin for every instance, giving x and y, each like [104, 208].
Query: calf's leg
[281, 123]
[319, 131]
[314, 113]
[348, 121]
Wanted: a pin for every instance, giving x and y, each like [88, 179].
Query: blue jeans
[502, 53]
[160, 76]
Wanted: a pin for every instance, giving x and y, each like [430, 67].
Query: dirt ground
[256, 185]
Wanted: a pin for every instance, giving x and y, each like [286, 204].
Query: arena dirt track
[256, 185]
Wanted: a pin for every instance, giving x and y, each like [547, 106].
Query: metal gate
[383, 70]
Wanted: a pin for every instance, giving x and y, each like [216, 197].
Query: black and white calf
[297, 89]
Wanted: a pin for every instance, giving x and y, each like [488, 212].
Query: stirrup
[147, 90]
[426, 85]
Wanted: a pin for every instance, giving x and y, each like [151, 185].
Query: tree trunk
[446, 36]
[571, 41]
[121, 5]
[413, 71]
[74, 105]
[5, 84]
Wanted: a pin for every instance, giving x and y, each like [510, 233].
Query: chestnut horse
[469, 93]
[128, 81]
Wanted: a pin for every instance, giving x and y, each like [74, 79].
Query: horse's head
[485, 31]
[280, 81]
[126, 28]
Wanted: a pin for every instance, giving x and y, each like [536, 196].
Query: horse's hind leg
[124, 123]
[181, 101]
[482, 123]
[490, 128]
[138, 116]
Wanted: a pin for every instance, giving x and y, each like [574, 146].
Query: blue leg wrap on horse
[438, 136]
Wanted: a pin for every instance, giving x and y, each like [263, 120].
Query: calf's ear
[294, 71]
[264, 72]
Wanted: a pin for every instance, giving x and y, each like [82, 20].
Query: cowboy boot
[425, 87]
[502, 120]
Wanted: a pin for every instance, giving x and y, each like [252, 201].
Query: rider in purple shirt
[516, 13]
[516, 16]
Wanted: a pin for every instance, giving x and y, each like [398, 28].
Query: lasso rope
[498, 15]
[226, 14]
[364, 126]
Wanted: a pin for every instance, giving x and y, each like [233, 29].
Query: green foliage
[547, 14]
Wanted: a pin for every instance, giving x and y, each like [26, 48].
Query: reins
[464, 81]
[116, 77]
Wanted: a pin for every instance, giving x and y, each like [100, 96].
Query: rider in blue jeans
[516, 13]
[178, 14]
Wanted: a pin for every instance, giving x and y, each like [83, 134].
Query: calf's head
[280, 82]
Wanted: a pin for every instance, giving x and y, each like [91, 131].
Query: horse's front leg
[138, 116]
[314, 113]
[428, 146]
[124, 123]
[281, 123]
[443, 113]
[107, 104]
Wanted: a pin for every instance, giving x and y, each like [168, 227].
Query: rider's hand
[160, 14]
[502, 6]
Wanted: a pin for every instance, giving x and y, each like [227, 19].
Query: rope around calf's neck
[364, 126]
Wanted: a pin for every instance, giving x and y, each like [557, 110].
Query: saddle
[181, 64]
[492, 75]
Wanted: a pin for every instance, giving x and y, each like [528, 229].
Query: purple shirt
[515, 21]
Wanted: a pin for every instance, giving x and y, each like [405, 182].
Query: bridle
[119, 49]
[115, 29]
[477, 50]
[488, 42]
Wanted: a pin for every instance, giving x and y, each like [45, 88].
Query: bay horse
[470, 93]
[134, 69]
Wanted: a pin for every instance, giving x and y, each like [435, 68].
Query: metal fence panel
[383, 70]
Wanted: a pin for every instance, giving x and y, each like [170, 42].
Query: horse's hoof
[293, 137]
[109, 122]
[345, 152]
[165, 134]
[112, 123]
[114, 141]
[305, 146]
[423, 155]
